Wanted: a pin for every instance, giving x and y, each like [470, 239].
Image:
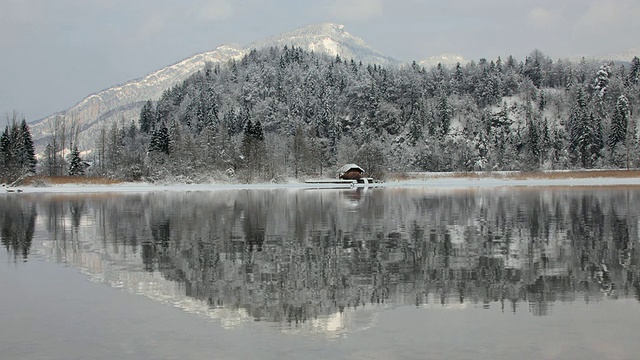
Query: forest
[17, 152]
[285, 112]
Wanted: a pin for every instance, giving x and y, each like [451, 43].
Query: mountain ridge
[126, 100]
[102, 106]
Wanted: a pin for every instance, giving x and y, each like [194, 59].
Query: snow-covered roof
[348, 167]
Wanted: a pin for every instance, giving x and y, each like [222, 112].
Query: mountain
[448, 60]
[622, 57]
[329, 39]
[126, 101]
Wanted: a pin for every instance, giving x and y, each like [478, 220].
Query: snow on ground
[442, 183]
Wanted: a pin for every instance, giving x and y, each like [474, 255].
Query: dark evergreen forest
[17, 154]
[280, 113]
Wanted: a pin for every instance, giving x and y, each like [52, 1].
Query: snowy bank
[439, 182]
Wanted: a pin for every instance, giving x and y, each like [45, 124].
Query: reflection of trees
[17, 223]
[290, 256]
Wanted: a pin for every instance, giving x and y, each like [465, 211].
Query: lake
[381, 273]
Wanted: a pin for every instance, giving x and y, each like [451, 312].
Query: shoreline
[441, 181]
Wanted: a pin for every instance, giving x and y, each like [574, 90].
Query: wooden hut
[351, 172]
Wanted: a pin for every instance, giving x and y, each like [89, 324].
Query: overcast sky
[54, 53]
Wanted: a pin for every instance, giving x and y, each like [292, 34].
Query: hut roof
[348, 167]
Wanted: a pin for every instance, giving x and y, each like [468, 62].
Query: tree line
[288, 112]
[17, 153]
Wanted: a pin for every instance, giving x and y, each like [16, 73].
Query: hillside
[285, 112]
[126, 100]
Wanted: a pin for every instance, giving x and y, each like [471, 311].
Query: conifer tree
[580, 131]
[634, 73]
[147, 117]
[28, 154]
[4, 153]
[247, 140]
[444, 113]
[619, 122]
[534, 143]
[76, 167]
[17, 154]
[619, 139]
[160, 140]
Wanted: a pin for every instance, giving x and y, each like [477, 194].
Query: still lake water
[395, 273]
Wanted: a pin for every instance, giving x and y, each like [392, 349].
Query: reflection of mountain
[303, 258]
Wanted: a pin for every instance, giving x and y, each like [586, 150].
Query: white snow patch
[439, 183]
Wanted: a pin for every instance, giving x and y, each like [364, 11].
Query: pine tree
[76, 167]
[27, 155]
[4, 153]
[415, 127]
[545, 140]
[147, 117]
[601, 82]
[619, 122]
[17, 151]
[532, 68]
[160, 140]
[634, 73]
[444, 113]
[542, 101]
[534, 143]
[596, 142]
[257, 131]
[580, 131]
[247, 140]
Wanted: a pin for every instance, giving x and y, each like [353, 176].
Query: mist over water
[353, 266]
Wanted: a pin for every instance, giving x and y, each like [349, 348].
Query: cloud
[541, 17]
[602, 13]
[215, 10]
[19, 19]
[356, 9]
[151, 27]
[607, 17]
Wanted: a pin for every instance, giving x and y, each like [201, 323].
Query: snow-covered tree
[76, 166]
[147, 117]
[17, 154]
[160, 140]
[601, 80]
[580, 131]
[634, 72]
[620, 142]
[619, 122]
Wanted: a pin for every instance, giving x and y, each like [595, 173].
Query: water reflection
[17, 223]
[324, 260]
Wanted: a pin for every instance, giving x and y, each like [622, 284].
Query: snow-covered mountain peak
[125, 101]
[328, 38]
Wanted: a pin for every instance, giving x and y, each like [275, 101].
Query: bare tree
[57, 140]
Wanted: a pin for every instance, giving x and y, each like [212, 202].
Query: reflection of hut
[351, 172]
